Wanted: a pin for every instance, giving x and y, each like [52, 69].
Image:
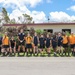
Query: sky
[41, 10]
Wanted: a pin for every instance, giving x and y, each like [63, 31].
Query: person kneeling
[12, 46]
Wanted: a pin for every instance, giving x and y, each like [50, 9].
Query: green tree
[13, 21]
[25, 19]
[5, 16]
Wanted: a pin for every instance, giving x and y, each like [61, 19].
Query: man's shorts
[28, 45]
[5, 46]
[47, 45]
[35, 44]
[72, 45]
[21, 43]
[65, 45]
[42, 46]
[12, 46]
[59, 44]
[54, 46]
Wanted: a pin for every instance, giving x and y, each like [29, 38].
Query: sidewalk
[37, 66]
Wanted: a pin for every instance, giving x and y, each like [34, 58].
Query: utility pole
[48, 19]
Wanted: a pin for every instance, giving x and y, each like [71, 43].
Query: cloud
[38, 16]
[61, 17]
[72, 8]
[19, 7]
[32, 3]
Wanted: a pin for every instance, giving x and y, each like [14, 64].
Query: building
[50, 27]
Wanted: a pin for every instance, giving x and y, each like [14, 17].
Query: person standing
[54, 44]
[42, 43]
[21, 40]
[0, 43]
[48, 44]
[72, 43]
[5, 44]
[65, 42]
[29, 44]
[60, 39]
[35, 42]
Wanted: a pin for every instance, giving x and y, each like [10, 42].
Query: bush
[39, 32]
[32, 31]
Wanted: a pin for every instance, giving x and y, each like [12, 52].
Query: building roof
[39, 24]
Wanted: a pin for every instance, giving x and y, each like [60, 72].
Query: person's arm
[44, 40]
[68, 40]
[15, 44]
[18, 38]
[33, 38]
[3, 40]
[10, 43]
[61, 39]
[50, 43]
[39, 40]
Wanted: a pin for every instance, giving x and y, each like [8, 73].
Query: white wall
[56, 28]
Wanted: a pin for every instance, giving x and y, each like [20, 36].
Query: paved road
[37, 66]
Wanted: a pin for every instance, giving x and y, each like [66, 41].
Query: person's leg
[66, 50]
[11, 51]
[14, 51]
[23, 47]
[37, 50]
[40, 50]
[34, 50]
[0, 50]
[31, 51]
[19, 49]
[48, 51]
[27, 51]
[72, 50]
[7, 49]
[3, 52]
[54, 51]
[59, 50]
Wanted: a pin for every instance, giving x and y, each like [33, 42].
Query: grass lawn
[43, 55]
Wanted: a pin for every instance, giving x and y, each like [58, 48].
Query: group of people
[60, 43]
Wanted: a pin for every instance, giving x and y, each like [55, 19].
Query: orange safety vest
[65, 39]
[72, 39]
[5, 40]
[29, 40]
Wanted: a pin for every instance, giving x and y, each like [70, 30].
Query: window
[49, 30]
[66, 30]
[27, 30]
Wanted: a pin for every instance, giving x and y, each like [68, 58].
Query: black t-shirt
[54, 41]
[48, 41]
[0, 40]
[42, 40]
[12, 43]
[21, 36]
[35, 40]
[59, 39]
